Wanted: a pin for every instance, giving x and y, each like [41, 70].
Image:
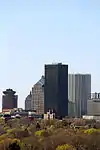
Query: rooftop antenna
[55, 63]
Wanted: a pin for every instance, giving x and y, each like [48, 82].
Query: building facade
[28, 102]
[93, 105]
[56, 89]
[37, 102]
[71, 109]
[79, 92]
[9, 99]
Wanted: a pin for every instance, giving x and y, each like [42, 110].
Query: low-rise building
[93, 105]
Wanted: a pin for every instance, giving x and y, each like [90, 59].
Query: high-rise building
[79, 92]
[9, 99]
[37, 102]
[28, 102]
[56, 89]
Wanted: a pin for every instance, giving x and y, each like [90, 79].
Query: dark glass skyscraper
[9, 99]
[56, 89]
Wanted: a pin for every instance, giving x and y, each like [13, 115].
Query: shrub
[6, 128]
[11, 131]
[58, 124]
[31, 143]
[48, 122]
[51, 128]
[90, 131]
[9, 144]
[65, 147]
[24, 121]
[31, 129]
[21, 134]
[13, 123]
[2, 137]
[17, 133]
[42, 133]
[4, 144]
[54, 136]
[20, 143]
[14, 145]
[2, 121]
[64, 123]
[2, 131]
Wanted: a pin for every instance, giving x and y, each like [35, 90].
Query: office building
[56, 89]
[38, 96]
[93, 105]
[28, 102]
[9, 99]
[71, 109]
[79, 92]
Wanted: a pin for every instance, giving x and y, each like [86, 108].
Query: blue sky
[36, 32]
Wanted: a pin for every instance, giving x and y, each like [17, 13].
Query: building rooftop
[54, 63]
[9, 91]
[94, 100]
[79, 74]
[41, 81]
[29, 97]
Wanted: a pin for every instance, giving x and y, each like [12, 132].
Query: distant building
[56, 89]
[28, 102]
[95, 96]
[93, 105]
[79, 92]
[9, 99]
[37, 102]
[71, 109]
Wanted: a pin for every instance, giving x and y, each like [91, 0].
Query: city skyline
[34, 33]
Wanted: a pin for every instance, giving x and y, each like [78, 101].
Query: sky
[38, 32]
